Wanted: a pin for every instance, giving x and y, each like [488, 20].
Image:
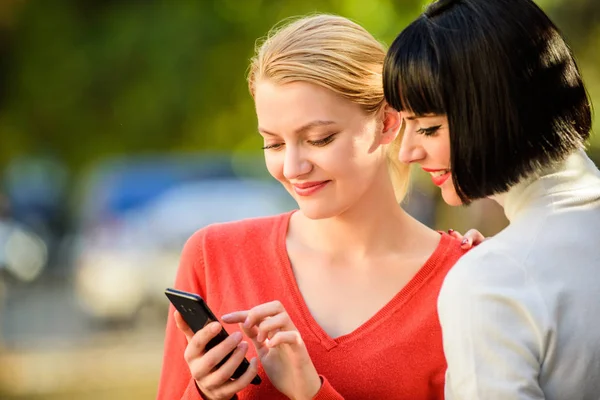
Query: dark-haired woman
[494, 106]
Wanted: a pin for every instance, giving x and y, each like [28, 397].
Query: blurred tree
[89, 79]
[579, 20]
[85, 79]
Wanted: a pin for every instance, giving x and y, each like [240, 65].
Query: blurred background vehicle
[23, 253]
[135, 218]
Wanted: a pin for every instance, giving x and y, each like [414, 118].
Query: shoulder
[487, 263]
[490, 274]
[222, 234]
[448, 251]
[220, 246]
[490, 292]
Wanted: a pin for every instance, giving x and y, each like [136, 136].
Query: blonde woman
[338, 298]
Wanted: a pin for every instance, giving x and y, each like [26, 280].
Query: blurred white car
[23, 254]
[124, 265]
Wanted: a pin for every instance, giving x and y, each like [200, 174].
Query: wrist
[312, 388]
[205, 397]
[202, 395]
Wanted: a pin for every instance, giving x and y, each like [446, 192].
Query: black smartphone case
[197, 315]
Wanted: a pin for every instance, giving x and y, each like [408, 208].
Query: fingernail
[450, 231]
[237, 336]
[464, 241]
[253, 362]
[226, 316]
[215, 327]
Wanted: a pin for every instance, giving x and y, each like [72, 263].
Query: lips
[438, 176]
[309, 188]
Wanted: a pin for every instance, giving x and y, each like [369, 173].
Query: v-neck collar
[397, 301]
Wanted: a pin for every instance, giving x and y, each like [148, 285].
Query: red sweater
[396, 354]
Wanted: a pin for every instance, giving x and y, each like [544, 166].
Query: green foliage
[87, 79]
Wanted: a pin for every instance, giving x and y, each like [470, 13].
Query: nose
[295, 164]
[410, 148]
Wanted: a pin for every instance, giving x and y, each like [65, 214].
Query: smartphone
[197, 315]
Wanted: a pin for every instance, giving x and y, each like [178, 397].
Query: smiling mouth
[308, 189]
[437, 174]
[308, 185]
[440, 177]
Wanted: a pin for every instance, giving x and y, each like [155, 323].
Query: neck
[499, 198]
[376, 223]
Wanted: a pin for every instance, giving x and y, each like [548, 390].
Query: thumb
[183, 326]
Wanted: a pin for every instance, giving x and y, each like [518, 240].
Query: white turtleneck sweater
[520, 313]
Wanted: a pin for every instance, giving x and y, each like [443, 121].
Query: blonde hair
[335, 53]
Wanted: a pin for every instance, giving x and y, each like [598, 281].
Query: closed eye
[429, 131]
[323, 142]
[274, 146]
[319, 143]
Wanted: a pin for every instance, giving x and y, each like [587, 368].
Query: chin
[313, 211]
[322, 208]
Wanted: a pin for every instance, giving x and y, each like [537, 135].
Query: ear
[391, 124]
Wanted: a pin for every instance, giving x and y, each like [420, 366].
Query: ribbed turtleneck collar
[563, 183]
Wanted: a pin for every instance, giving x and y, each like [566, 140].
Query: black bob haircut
[507, 81]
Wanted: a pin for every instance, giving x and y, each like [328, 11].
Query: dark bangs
[503, 75]
[411, 76]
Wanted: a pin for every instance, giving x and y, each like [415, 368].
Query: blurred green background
[92, 89]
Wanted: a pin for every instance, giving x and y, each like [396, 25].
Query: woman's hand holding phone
[280, 348]
[215, 384]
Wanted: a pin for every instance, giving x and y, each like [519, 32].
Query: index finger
[455, 234]
[235, 317]
[238, 317]
[263, 311]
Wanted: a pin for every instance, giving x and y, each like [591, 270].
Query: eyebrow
[304, 128]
